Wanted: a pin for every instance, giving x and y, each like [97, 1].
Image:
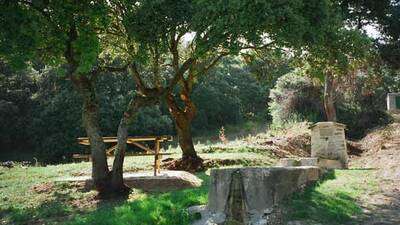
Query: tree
[343, 49]
[383, 16]
[247, 25]
[62, 34]
[218, 34]
[153, 35]
[161, 43]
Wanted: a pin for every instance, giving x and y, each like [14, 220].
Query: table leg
[157, 158]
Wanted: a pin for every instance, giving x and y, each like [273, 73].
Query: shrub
[295, 98]
[229, 94]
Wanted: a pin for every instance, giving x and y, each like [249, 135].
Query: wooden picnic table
[132, 141]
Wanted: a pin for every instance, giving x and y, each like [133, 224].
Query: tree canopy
[165, 46]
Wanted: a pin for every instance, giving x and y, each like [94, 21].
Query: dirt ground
[382, 154]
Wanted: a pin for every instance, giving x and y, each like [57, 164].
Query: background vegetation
[40, 112]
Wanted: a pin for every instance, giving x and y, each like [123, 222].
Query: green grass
[30, 195]
[161, 209]
[333, 201]
[22, 203]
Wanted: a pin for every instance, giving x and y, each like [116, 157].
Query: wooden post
[156, 157]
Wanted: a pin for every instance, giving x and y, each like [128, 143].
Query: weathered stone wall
[249, 196]
[328, 144]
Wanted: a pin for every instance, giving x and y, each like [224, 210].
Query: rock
[8, 164]
[196, 209]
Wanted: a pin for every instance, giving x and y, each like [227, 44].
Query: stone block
[331, 164]
[289, 162]
[249, 196]
[328, 142]
[322, 163]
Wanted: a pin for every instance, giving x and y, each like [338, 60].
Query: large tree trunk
[128, 117]
[90, 118]
[329, 98]
[184, 130]
[183, 122]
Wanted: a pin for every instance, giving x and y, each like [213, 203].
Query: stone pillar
[393, 102]
[393, 106]
[328, 144]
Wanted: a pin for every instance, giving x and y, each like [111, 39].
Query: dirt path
[382, 207]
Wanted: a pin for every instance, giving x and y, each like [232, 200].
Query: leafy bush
[295, 97]
[228, 95]
[16, 104]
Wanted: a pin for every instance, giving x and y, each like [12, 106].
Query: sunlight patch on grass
[333, 201]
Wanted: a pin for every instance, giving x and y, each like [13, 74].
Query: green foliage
[56, 119]
[384, 15]
[228, 95]
[49, 109]
[41, 114]
[295, 97]
[54, 32]
[16, 112]
[267, 65]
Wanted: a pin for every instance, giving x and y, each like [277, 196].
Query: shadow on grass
[156, 208]
[327, 208]
[55, 205]
[53, 210]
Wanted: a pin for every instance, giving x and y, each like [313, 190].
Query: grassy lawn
[334, 200]
[30, 195]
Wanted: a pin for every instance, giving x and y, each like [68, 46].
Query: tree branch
[179, 75]
[258, 47]
[214, 62]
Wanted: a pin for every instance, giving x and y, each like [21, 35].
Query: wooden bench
[135, 141]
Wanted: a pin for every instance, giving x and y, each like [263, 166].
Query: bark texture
[90, 118]
[329, 98]
[134, 106]
[183, 118]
